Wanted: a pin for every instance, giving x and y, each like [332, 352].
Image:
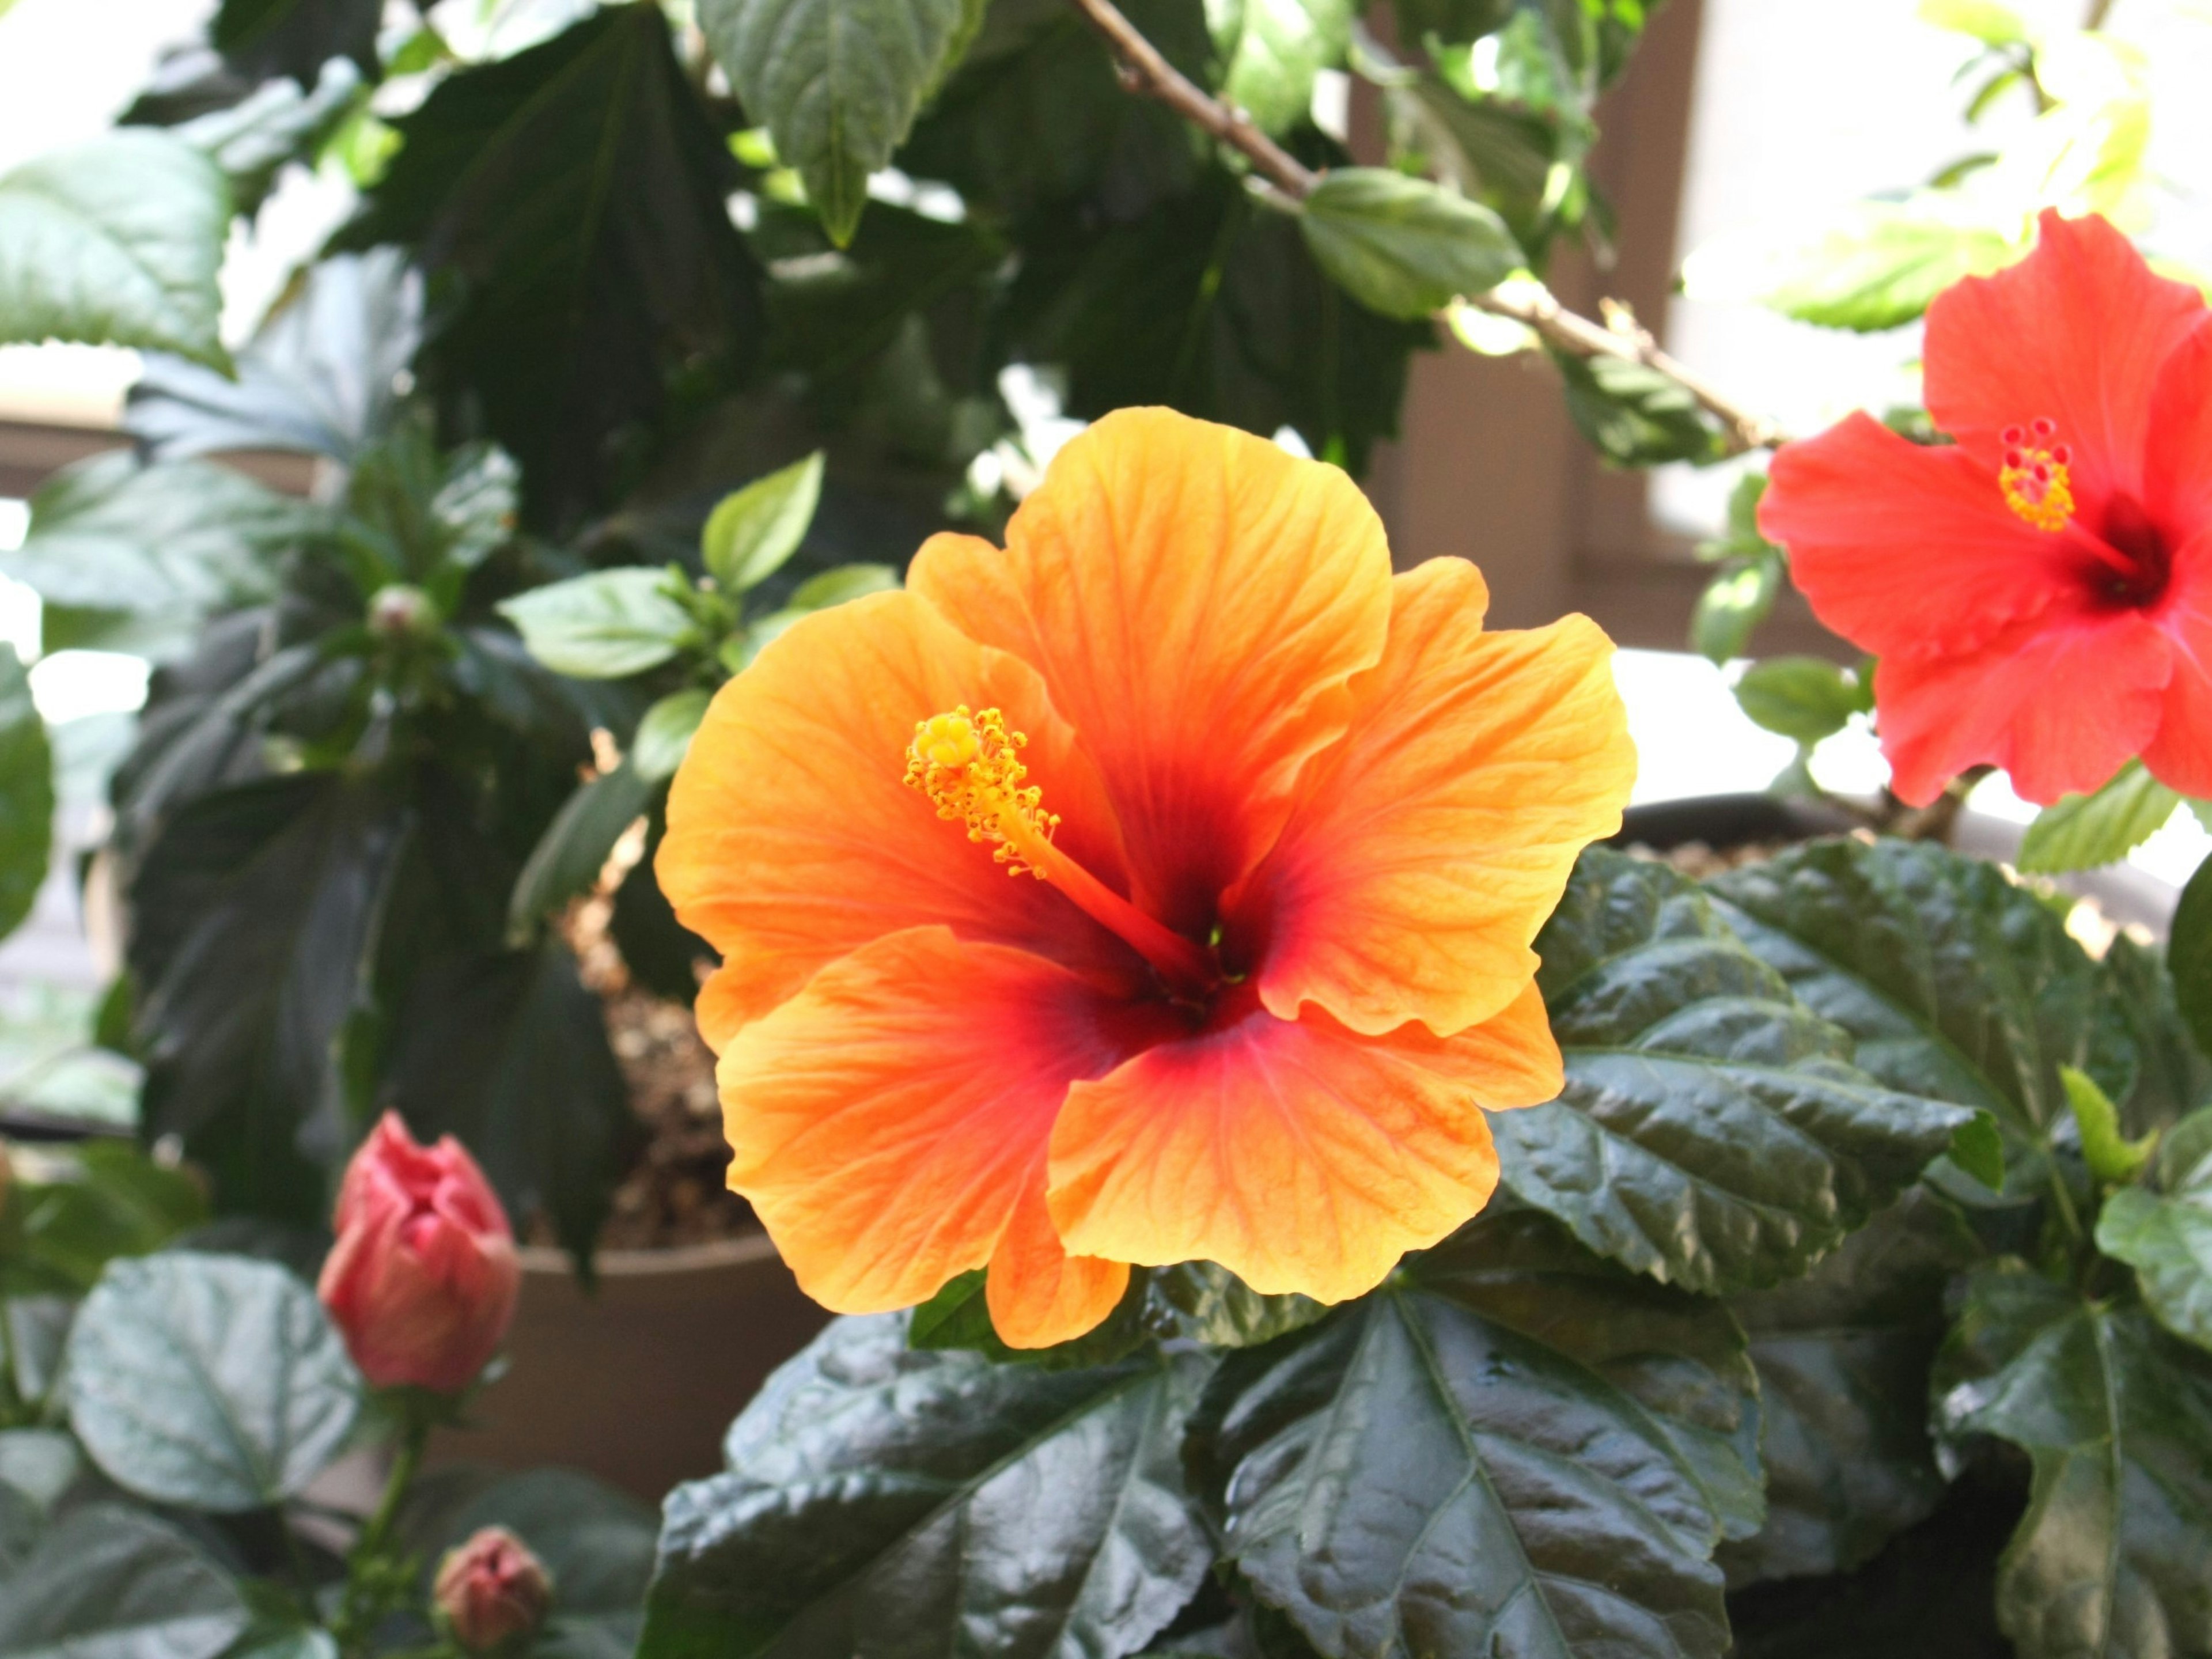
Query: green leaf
[1991, 24]
[603, 626]
[1802, 697]
[26, 794]
[263, 38]
[2080, 832]
[1869, 266]
[846, 581]
[1404, 247]
[508, 1053]
[209, 1381]
[1979, 1148]
[179, 540]
[2173, 1077]
[1732, 606]
[1422, 1473]
[1956, 983]
[1843, 1357]
[1637, 416]
[276, 125]
[958, 1318]
[2188, 957]
[881, 1500]
[112, 1582]
[2115, 1418]
[2166, 1236]
[568, 857]
[838, 83]
[116, 241]
[1271, 52]
[1203, 1303]
[1712, 1132]
[664, 733]
[596, 1543]
[571, 197]
[751, 532]
[254, 916]
[98, 1200]
[2110, 1158]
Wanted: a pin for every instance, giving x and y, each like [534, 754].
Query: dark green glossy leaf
[570, 198]
[117, 1583]
[837, 82]
[509, 1053]
[604, 626]
[1804, 698]
[26, 794]
[660, 953]
[116, 241]
[1270, 54]
[1636, 417]
[881, 1501]
[1204, 1302]
[105, 1200]
[209, 1381]
[1713, 1131]
[959, 1318]
[2080, 832]
[254, 916]
[2173, 1076]
[318, 377]
[265, 37]
[276, 125]
[1843, 1357]
[1512, 1449]
[568, 858]
[1956, 983]
[1404, 247]
[2115, 1418]
[2188, 957]
[176, 540]
[1978, 1147]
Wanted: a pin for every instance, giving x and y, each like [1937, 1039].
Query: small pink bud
[491, 1590]
[402, 612]
[422, 1279]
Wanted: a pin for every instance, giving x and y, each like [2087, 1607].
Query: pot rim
[743, 1250]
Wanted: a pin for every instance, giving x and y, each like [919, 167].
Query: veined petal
[1037, 1293]
[793, 838]
[1428, 847]
[2061, 703]
[886, 1120]
[1299, 1155]
[2180, 755]
[1195, 599]
[1870, 517]
[2076, 333]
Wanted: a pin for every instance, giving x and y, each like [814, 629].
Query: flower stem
[371, 1578]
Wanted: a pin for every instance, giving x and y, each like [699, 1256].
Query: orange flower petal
[792, 838]
[1429, 846]
[885, 1121]
[1195, 599]
[1037, 1293]
[1298, 1155]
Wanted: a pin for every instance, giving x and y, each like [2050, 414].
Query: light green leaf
[2166, 1236]
[1271, 50]
[112, 1582]
[846, 581]
[214, 1382]
[2115, 1418]
[1732, 607]
[1868, 266]
[1713, 1131]
[752, 531]
[1978, 1147]
[1404, 247]
[838, 83]
[603, 626]
[2110, 1158]
[1991, 24]
[1805, 698]
[2080, 832]
[1634, 416]
[116, 241]
[2188, 957]
[26, 794]
[178, 539]
[664, 735]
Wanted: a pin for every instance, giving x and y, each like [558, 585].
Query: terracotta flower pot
[636, 1381]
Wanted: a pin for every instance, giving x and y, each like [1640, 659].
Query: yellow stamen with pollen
[2037, 478]
[970, 766]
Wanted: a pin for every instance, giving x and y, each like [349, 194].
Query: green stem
[368, 1592]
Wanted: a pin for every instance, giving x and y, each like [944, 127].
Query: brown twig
[1145, 73]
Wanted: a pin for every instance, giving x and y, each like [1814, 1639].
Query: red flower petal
[2181, 756]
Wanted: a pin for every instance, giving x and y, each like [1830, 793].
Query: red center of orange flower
[970, 766]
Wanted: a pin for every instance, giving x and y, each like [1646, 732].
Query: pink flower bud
[422, 1280]
[491, 1590]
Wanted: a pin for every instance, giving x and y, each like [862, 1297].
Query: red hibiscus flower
[2040, 590]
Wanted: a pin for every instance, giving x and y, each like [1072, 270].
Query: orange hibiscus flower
[1158, 888]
